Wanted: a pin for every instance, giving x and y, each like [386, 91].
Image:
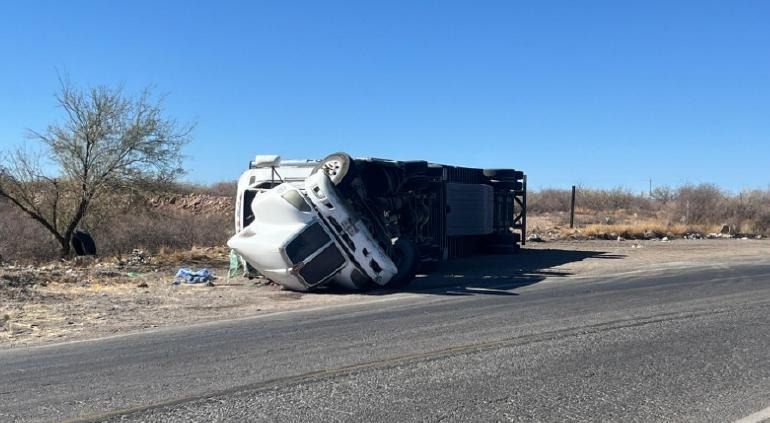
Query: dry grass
[669, 212]
[197, 256]
[649, 228]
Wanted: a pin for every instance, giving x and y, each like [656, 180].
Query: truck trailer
[362, 223]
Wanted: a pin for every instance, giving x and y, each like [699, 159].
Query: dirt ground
[72, 301]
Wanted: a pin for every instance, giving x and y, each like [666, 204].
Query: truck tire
[407, 260]
[362, 282]
[508, 185]
[339, 167]
[415, 167]
[503, 174]
[83, 244]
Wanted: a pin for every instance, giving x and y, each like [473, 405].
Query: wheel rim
[333, 168]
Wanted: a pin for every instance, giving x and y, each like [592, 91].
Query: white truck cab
[303, 239]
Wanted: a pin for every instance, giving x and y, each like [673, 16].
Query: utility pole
[572, 209]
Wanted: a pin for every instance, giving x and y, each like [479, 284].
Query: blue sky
[597, 93]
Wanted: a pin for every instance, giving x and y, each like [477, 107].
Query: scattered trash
[234, 263]
[637, 246]
[665, 239]
[132, 274]
[136, 257]
[188, 276]
[535, 238]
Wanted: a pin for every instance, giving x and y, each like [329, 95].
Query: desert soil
[65, 301]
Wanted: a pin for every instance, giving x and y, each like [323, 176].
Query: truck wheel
[503, 174]
[407, 261]
[415, 167]
[362, 282]
[507, 185]
[340, 168]
[83, 244]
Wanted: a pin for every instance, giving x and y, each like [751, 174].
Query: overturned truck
[364, 223]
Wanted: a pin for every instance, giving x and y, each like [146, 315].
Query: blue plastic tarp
[188, 276]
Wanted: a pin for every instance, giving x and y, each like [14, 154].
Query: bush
[155, 230]
[548, 200]
[23, 238]
[120, 223]
[596, 200]
[704, 203]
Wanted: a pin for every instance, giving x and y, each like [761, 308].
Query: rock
[725, 229]
[759, 236]
[142, 285]
[665, 239]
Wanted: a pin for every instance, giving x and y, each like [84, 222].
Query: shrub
[22, 238]
[701, 204]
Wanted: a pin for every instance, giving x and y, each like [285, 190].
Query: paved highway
[677, 344]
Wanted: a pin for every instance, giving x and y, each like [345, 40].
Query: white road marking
[759, 416]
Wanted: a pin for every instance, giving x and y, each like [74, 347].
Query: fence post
[572, 210]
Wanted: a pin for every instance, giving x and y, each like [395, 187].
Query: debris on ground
[188, 276]
[137, 257]
[715, 235]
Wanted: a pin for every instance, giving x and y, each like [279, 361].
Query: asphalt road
[677, 344]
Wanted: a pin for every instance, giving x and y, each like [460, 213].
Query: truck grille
[322, 266]
[307, 243]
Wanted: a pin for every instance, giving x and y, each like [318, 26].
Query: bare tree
[107, 141]
[663, 194]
